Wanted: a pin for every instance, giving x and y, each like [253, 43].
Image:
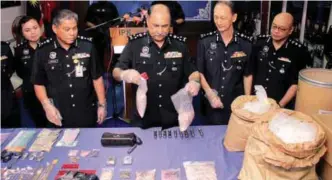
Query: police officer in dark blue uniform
[67, 76]
[30, 32]
[165, 60]
[10, 112]
[223, 59]
[278, 60]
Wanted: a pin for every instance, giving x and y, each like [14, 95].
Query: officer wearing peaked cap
[165, 59]
[278, 60]
[67, 76]
[223, 61]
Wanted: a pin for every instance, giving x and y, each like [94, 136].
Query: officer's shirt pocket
[143, 65]
[174, 67]
[283, 65]
[54, 72]
[239, 63]
[212, 63]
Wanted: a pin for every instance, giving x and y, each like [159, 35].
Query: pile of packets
[75, 154]
[194, 171]
[29, 173]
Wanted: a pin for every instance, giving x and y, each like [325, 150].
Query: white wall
[7, 17]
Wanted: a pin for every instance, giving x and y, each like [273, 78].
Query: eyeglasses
[281, 29]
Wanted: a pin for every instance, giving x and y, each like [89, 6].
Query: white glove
[52, 113]
[101, 113]
[141, 99]
[130, 76]
[192, 87]
[214, 99]
[182, 102]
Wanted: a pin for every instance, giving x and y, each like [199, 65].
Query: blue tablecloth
[154, 153]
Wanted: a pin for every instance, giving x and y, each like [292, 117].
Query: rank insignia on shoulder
[208, 34]
[85, 38]
[46, 41]
[262, 36]
[244, 36]
[296, 43]
[137, 36]
[177, 37]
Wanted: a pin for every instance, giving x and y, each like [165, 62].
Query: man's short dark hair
[230, 4]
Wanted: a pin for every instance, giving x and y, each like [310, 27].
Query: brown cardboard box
[326, 122]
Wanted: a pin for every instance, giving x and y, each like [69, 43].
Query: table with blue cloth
[161, 153]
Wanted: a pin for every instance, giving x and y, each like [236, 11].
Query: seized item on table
[127, 160]
[20, 141]
[107, 174]
[146, 175]
[45, 140]
[170, 174]
[111, 160]
[200, 170]
[69, 138]
[125, 174]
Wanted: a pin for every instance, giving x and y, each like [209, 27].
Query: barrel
[314, 94]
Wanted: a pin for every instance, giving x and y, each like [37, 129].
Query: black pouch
[112, 139]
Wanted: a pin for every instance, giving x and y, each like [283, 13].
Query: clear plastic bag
[260, 106]
[292, 130]
[146, 175]
[107, 174]
[170, 174]
[141, 99]
[182, 102]
[200, 170]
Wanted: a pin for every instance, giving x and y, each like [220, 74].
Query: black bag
[111, 139]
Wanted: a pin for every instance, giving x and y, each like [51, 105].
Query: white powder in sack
[291, 130]
[262, 104]
[256, 107]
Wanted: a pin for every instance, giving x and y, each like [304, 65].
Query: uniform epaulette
[18, 45]
[244, 36]
[177, 37]
[296, 43]
[137, 36]
[208, 34]
[85, 38]
[46, 41]
[263, 36]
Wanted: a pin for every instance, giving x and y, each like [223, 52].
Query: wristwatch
[102, 105]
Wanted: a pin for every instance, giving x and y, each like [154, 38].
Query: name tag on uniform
[52, 61]
[4, 57]
[79, 70]
[238, 54]
[173, 54]
[284, 59]
[81, 55]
